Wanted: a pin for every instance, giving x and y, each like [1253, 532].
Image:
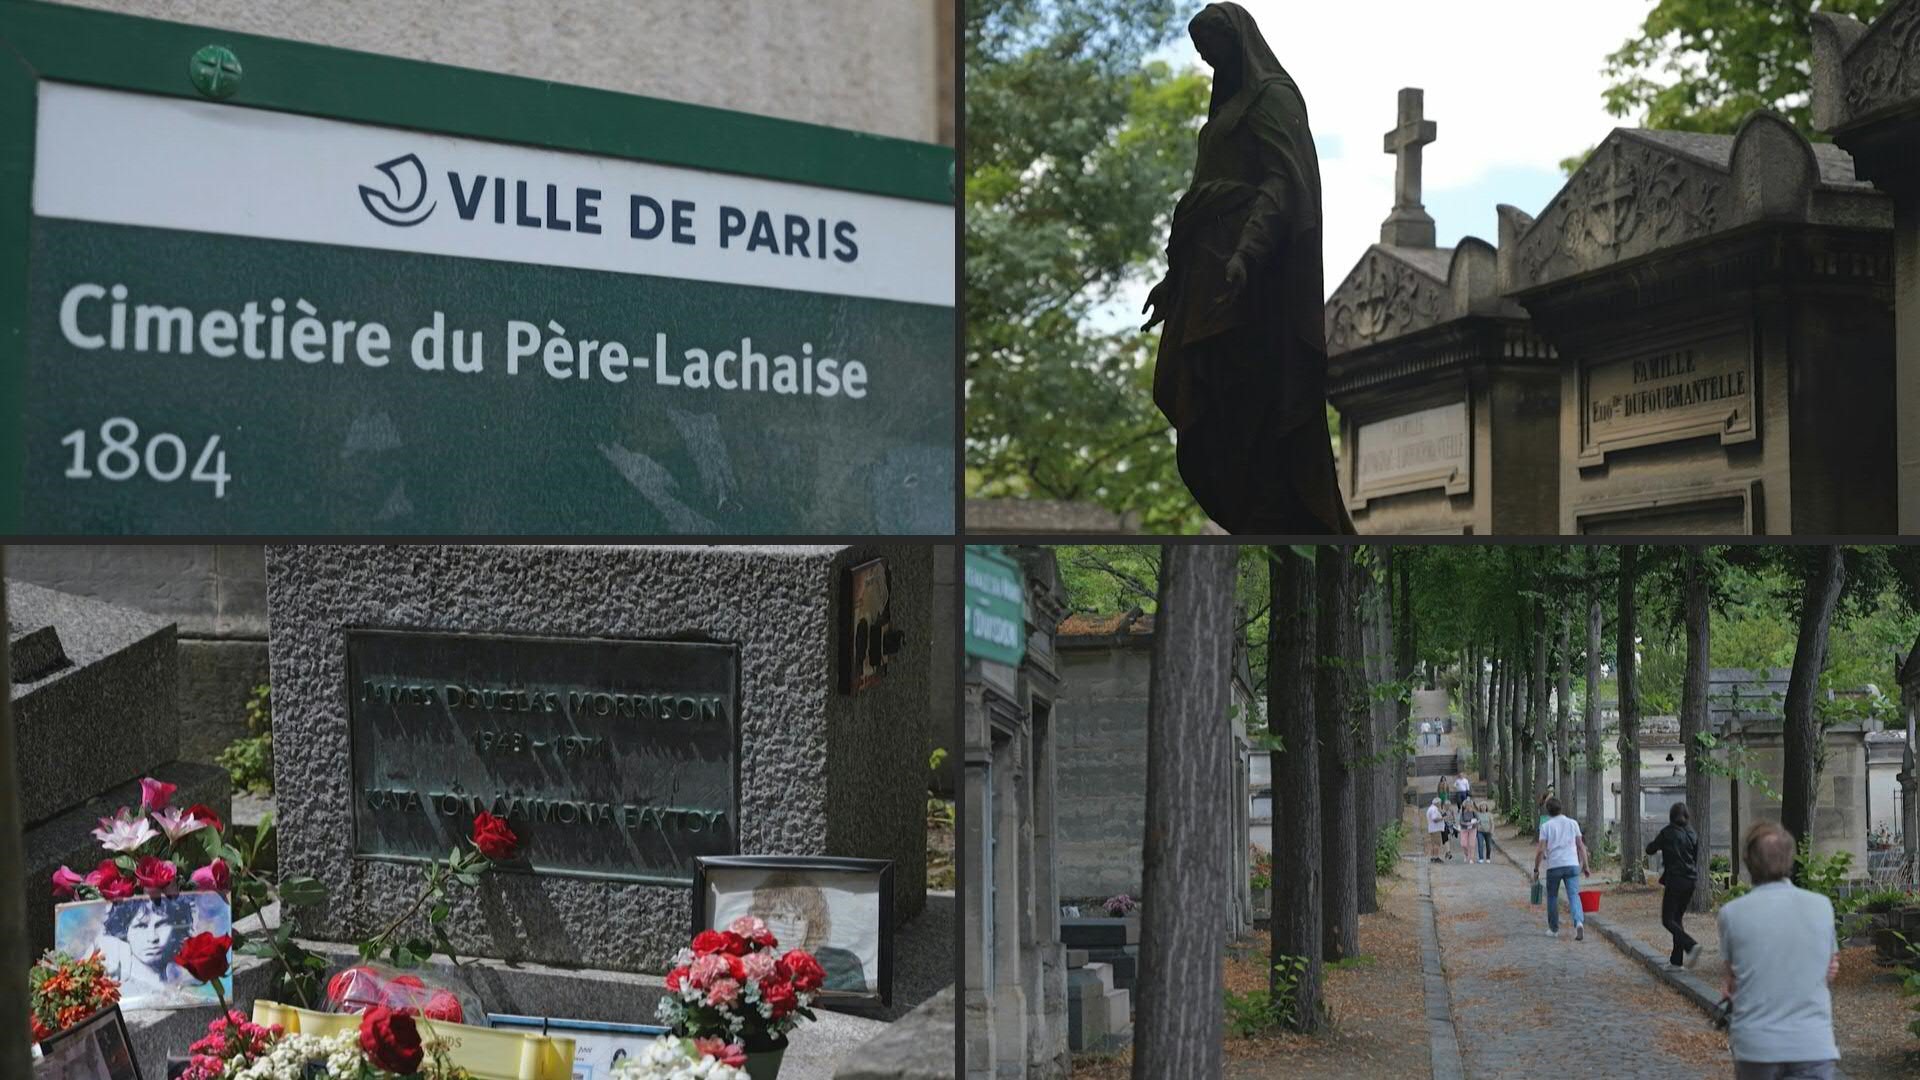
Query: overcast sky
[1514, 85]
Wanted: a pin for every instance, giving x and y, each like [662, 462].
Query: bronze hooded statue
[1242, 367]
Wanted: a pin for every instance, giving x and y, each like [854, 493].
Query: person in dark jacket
[1679, 850]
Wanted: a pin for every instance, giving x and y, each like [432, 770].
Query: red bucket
[1589, 900]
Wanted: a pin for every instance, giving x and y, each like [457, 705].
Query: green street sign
[353, 294]
[996, 608]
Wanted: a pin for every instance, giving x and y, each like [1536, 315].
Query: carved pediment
[1884, 67]
[1384, 297]
[1632, 197]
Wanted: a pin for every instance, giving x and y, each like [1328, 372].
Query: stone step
[1076, 958]
[1124, 962]
[1091, 980]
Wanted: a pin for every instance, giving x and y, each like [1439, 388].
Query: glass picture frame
[97, 1048]
[838, 909]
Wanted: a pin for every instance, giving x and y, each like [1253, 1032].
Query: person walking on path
[1436, 829]
[1563, 850]
[1470, 832]
[1426, 733]
[1462, 787]
[1780, 951]
[1679, 850]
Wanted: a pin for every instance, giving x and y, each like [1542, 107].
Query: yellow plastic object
[489, 1053]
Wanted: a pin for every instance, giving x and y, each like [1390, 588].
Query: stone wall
[1102, 740]
[880, 66]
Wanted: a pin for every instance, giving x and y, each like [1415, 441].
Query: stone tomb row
[1695, 336]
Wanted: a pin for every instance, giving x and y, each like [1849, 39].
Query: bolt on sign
[259, 286]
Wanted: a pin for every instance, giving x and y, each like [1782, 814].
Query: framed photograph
[597, 1046]
[97, 1048]
[869, 640]
[139, 937]
[840, 910]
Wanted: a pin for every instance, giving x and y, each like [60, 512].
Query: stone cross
[1409, 225]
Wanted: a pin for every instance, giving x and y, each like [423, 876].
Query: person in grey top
[1779, 946]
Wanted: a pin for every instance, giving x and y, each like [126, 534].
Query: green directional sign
[996, 607]
[255, 286]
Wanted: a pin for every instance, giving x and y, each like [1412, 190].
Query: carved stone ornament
[1629, 199]
[1382, 298]
[1884, 67]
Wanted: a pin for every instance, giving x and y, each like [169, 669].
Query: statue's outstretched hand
[1236, 281]
[1155, 306]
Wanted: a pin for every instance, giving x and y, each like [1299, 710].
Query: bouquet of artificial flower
[65, 991]
[387, 1044]
[734, 985]
[158, 850]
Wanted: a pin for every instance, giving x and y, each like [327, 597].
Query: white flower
[669, 1058]
[177, 823]
[123, 834]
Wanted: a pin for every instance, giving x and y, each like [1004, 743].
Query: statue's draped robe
[1245, 384]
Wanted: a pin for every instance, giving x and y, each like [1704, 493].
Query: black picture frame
[60, 1046]
[879, 869]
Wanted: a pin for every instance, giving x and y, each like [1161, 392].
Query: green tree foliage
[1076, 148]
[1703, 65]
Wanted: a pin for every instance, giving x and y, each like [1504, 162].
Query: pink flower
[725, 1053]
[155, 793]
[177, 823]
[155, 874]
[121, 833]
[758, 965]
[707, 969]
[754, 929]
[724, 993]
[213, 877]
[64, 880]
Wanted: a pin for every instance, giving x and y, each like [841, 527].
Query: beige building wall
[879, 66]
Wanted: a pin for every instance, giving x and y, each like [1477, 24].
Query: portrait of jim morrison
[138, 938]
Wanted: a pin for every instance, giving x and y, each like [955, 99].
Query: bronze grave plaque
[610, 759]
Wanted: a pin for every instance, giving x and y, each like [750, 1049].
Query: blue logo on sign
[406, 174]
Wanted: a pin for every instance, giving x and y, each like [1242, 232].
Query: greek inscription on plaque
[1703, 388]
[609, 759]
[1416, 450]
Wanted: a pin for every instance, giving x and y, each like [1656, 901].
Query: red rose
[154, 874]
[779, 996]
[391, 1040]
[808, 975]
[735, 944]
[40, 1031]
[708, 941]
[444, 1006]
[107, 878]
[493, 838]
[204, 956]
[403, 993]
[736, 968]
[203, 812]
[675, 978]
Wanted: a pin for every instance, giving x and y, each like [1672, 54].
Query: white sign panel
[1415, 450]
[137, 159]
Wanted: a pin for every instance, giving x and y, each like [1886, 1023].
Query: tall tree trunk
[1380, 617]
[1404, 652]
[1473, 704]
[1490, 726]
[1516, 749]
[1296, 795]
[1563, 706]
[1189, 759]
[1366, 743]
[1800, 731]
[1693, 719]
[1537, 720]
[1339, 899]
[1632, 857]
[1595, 775]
